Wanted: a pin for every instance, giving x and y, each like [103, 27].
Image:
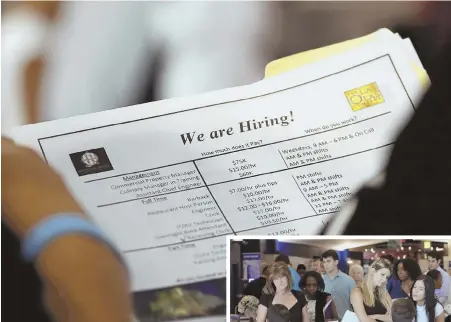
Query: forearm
[24, 201]
[367, 318]
[83, 277]
[261, 318]
[362, 316]
[32, 22]
[359, 309]
[81, 272]
[261, 313]
[382, 317]
[48, 9]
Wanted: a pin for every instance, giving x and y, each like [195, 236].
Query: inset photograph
[349, 280]
[191, 302]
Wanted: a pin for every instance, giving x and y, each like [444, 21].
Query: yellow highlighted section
[364, 96]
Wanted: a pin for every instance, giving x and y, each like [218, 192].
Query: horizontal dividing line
[174, 244]
[300, 166]
[159, 195]
[236, 151]
[244, 178]
[284, 222]
[211, 237]
[172, 286]
[128, 173]
[224, 102]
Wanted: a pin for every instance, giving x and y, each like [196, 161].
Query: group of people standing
[430, 291]
[326, 293]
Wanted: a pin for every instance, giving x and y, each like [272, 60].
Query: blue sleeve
[389, 283]
[296, 279]
[444, 291]
[296, 282]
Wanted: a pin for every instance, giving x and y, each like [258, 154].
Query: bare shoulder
[356, 293]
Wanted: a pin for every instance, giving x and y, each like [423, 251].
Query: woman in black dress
[278, 290]
[370, 300]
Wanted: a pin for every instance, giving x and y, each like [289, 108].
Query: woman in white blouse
[428, 307]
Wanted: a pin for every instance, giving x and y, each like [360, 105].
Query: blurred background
[61, 59]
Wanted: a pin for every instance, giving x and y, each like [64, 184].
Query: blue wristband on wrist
[56, 226]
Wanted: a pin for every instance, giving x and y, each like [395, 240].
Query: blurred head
[283, 258]
[379, 273]
[316, 264]
[436, 277]
[265, 272]
[388, 258]
[280, 277]
[434, 260]
[403, 310]
[301, 269]
[330, 261]
[356, 272]
[423, 288]
[407, 269]
[312, 282]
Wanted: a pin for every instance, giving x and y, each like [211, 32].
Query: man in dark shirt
[256, 286]
[301, 271]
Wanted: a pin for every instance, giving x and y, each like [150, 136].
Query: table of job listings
[161, 194]
[272, 183]
[281, 188]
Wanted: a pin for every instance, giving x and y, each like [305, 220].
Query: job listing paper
[171, 179]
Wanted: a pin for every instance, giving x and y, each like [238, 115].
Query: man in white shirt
[442, 293]
[199, 46]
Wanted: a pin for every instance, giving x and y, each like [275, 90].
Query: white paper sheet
[350, 317]
[169, 180]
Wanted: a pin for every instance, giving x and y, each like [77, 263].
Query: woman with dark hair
[405, 271]
[313, 286]
[436, 277]
[428, 307]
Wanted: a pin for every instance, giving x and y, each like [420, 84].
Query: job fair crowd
[391, 291]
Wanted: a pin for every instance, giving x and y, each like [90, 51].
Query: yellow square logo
[364, 96]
